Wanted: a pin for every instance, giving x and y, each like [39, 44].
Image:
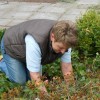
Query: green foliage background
[89, 34]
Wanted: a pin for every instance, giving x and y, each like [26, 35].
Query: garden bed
[86, 63]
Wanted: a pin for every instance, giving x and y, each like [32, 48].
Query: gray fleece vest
[14, 40]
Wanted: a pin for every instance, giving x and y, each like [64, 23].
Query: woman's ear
[52, 37]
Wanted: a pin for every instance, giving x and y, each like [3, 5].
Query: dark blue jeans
[15, 70]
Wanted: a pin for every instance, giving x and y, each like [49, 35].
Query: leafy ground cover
[84, 88]
[85, 81]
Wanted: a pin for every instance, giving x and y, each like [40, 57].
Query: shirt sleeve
[33, 54]
[66, 56]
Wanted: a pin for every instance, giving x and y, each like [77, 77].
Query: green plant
[89, 34]
[5, 85]
[1, 33]
[52, 70]
[87, 89]
[86, 56]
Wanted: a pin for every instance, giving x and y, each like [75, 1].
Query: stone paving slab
[2, 13]
[88, 2]
[71, 17]
[76, 11]
[14, 22]
[5, 22]
[57, 7]
[16, 12]
[53, 9]
[29, 8]
[42, 15]
[61, 4]
[17, 15]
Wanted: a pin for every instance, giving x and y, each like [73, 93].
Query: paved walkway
[12, 13]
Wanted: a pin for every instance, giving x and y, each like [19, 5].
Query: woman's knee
[19, 80]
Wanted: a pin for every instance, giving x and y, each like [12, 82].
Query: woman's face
[58, 47]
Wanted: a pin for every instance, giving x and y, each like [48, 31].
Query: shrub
[89, 34]
[1, 33]
[86, 57]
